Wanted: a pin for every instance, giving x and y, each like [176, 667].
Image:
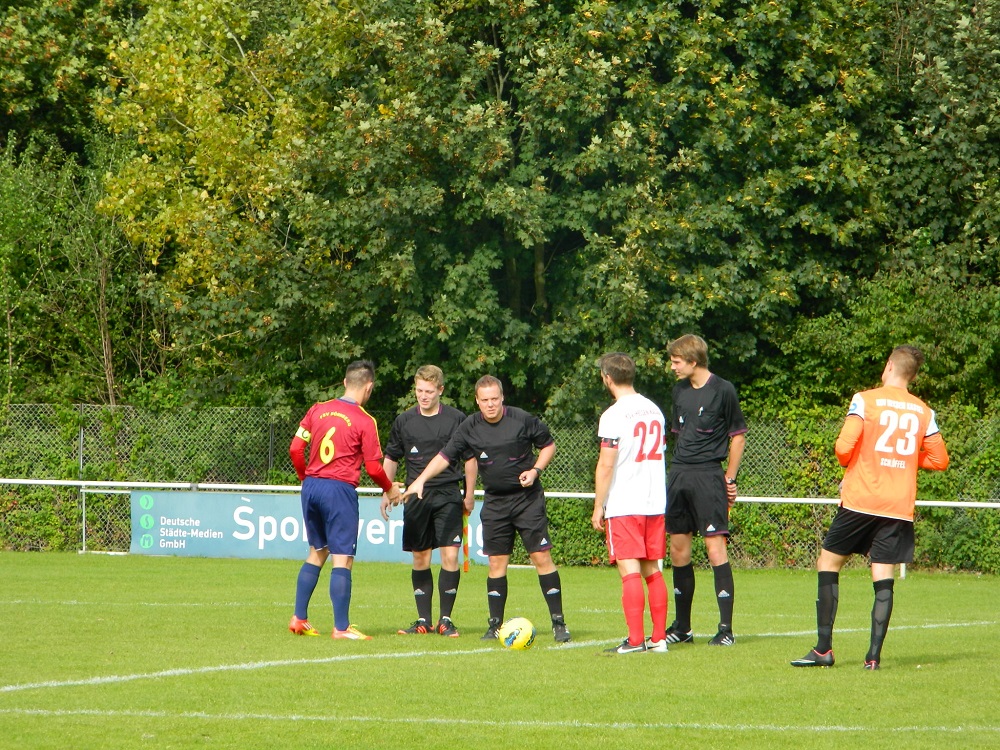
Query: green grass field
[144, 652]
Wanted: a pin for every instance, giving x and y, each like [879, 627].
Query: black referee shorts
[522, 512]
[434, 520]
[697, 502]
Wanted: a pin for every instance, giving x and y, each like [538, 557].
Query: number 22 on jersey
[650, 437]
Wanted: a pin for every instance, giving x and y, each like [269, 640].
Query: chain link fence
[245, 446]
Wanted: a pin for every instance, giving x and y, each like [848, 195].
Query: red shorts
[636, 537]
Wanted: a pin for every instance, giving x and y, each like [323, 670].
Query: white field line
[538, 724]
[892, 628]
[251, 666]
[601, 726]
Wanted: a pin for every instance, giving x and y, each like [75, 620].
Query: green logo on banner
[146, 541]
[146, 521]
[146, 502]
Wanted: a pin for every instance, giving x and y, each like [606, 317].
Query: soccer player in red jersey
[333, 440]
[888, 434]
[630, 497]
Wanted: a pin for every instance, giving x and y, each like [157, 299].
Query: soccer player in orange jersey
[888, 434]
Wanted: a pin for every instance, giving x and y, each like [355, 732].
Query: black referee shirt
[504, 450]
[703, 419]
[417, 439]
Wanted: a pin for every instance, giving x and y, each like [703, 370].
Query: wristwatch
[730, 480]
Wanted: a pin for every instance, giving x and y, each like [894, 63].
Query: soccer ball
[517, 634]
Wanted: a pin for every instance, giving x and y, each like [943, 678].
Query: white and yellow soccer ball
[517, 634]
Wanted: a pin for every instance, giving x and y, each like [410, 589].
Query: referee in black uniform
[708, 428]
[435, 521]
[503, 440]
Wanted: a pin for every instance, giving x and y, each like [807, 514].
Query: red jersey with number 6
[889, 433]
[341, 436]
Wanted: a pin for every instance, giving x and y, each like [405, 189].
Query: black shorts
[523, 512]
[697, 502]
[433, 521]
[884, 540]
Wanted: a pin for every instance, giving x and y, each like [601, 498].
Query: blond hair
[430, 373]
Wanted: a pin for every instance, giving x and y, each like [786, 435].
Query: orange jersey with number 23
[889, 433]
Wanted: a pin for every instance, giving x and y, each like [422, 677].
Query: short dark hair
[486, 381]
[690, 348]
[619, 367]
[360, 373]
[907, 360]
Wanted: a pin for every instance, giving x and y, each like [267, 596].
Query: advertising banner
[220, 524]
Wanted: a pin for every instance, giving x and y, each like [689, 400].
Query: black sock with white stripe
[552, 591]
[724, 594]
[423, 592]
[496, 596]
[447, 590]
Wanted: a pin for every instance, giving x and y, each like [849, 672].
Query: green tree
[734, 185]
[938, 264]
[75, 326]
[515, 186]
[52, 54]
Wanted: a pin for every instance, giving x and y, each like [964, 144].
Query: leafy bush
[790, 456]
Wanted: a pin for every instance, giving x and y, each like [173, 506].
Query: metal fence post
[82, 493]
[80, 462]
[270, 446]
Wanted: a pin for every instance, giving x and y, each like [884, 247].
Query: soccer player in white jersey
[630, 497]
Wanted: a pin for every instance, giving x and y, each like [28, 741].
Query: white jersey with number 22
[634, 425]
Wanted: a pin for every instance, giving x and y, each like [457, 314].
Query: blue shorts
[330, 511]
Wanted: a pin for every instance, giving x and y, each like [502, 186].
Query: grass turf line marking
[894, 628]
[250, 666]
[452, 721]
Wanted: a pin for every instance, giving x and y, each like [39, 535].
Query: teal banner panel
[220, 524]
